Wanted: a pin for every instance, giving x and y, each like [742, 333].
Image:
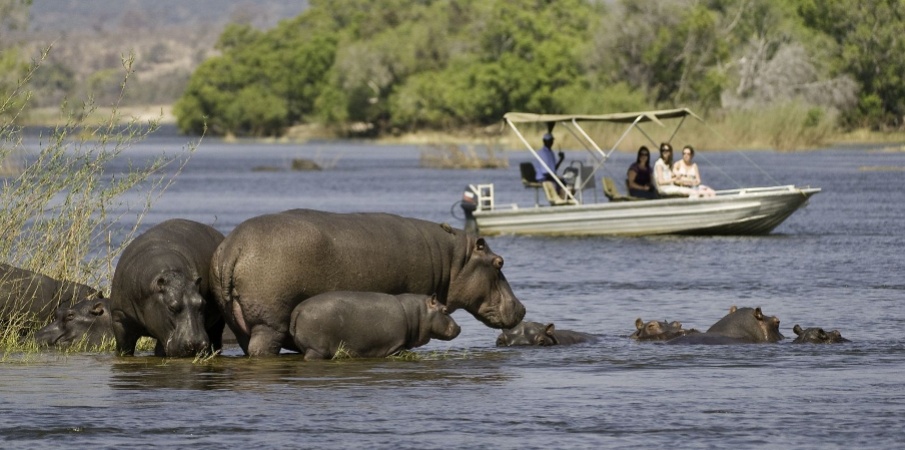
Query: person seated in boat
[546, 155]
[639, 174]
[665, 179]
[687, 174]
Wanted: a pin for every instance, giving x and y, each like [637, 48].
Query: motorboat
[743, 211]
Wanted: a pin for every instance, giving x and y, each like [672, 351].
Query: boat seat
[529, 179]
[610, 191]
[553, 197]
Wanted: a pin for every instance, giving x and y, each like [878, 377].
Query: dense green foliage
[404, 65]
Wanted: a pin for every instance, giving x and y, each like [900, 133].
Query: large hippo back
[270, 263]
[35, 296]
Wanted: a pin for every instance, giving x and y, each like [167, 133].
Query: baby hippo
[87, 320]
[368, 324]
[817, 336]
[541, 335]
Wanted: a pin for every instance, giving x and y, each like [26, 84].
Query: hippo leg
[126, 337]
[264, 341]
[215, 335]
[314, 355]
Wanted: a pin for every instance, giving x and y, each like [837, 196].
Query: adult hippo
[817, 335]
[271, 263]
[368, 324]
[32, 298]
[541, 335]
[740, 326]
[161, 289]
[658, 330]
[87, 322]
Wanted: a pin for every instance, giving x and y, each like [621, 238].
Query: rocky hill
[168, 39]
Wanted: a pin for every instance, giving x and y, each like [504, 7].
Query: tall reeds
[56, 210]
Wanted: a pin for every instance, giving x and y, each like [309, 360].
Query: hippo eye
[69, 317]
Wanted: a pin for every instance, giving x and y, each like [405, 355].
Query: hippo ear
[550, 329]
[675, 324]
[758, 314]
[97, 309]
[198, 282]
[639, 323]
[797, 329]
[732, 309]
[432, 302]
[445, 226]
[480, 245]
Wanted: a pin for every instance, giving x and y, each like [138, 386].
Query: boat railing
[484, 193]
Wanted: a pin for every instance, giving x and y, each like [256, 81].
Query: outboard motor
[469, 205]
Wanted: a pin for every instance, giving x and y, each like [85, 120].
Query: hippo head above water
[658, 330]
[480, 288]
[817, 336]
[528, 333]
[748, 325]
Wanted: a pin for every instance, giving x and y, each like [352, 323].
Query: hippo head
[748, 324]
[817, 336]
[657, 330]
[528, 333]
[441, 324]
[174, 315]
[87, 321]
[479, 287]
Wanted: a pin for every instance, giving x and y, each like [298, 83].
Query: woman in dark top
[639, 176]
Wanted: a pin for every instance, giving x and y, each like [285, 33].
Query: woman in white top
[664, 177]
[687, 175]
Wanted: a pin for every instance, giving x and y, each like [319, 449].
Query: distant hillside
[168, 38]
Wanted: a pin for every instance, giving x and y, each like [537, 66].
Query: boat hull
[754, 211]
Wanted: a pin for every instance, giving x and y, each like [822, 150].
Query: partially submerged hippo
[87, 321]
[658, 330]
[539, 334]
[35, 297]
[817, 336]
[271, 263]
[368, 324]
[740, 326]
[160, 289]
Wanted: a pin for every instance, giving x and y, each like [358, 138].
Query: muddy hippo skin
[269, 264]
[160, 289]
[658, 330]
[740, 326]
[368, 324]
[539, 334]
[87, 321]
[36, 296]
[817, 336]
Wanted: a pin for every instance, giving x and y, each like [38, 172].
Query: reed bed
[56, 208]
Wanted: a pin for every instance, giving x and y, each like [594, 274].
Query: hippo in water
[661, 330]
[740, 326]
[35, 297]
[271, 263]
[87, 321]
[539, 334]
[368, 324]
[160, 289]
[817, 336]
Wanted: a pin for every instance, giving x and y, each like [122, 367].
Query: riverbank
[778, 129]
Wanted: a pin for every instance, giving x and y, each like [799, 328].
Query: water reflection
[241, 373]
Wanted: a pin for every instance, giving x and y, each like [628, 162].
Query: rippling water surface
[835, 264]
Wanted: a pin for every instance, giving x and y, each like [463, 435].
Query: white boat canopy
[634, 119]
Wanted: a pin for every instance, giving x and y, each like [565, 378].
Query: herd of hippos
[313, 282]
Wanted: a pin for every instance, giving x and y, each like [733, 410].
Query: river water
[835, 264]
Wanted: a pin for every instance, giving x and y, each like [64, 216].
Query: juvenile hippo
[271, 263]
[368, 324]
[539, 334]
[740, 326]
[658, 330]
[87, 320]
[160, 289]
[817, 336]
[35, 297]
